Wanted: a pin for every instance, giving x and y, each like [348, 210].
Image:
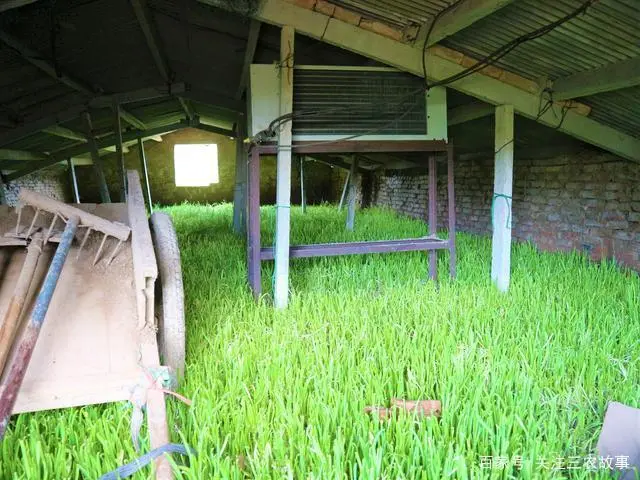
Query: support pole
[451, 198]
[253, 227]
[97, 161]
[501, 203]
[239, 193]
[351, 199]
[303, 198]
[433, 215]
[119, 152]
[73, 180]
[145, 174]
[344, 190]
[283, 189]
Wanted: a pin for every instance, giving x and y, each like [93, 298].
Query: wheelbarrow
[113, 321]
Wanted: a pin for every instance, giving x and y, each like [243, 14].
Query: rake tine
[114, 253]
[84, 240]
[104, 239]
[18, 222]
[53, 223]
[33, 222]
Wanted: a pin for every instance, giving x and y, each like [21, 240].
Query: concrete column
[283, 172]
[501, 203]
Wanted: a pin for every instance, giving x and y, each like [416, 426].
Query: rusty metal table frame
[256, 253]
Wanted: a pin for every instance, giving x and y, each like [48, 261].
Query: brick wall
[589, 201]
[52, 182]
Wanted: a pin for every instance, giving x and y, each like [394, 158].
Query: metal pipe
[119, 151]
[74, 180]
[27, 344]
[351, 199]
[303, 199]
[253, 244]
[344, 190]
[452, 212]
[145, 173]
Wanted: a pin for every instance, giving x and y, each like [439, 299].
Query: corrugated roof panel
[397, 12]
[606, 33]
[619, 109]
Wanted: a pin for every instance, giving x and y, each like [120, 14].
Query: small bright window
[196, 165]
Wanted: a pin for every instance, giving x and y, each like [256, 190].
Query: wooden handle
[11, 317]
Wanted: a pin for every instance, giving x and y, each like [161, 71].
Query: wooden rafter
[9, 4]
[101, 143]
[214, 129]
[63, 132]
[614, 76]
[22, 155]
[461, 15]
[38, 61]
[30, 128]
[467, 113]
[252, 43]
[215, 99]
[150, 32]
[143, 94]
[151, 36]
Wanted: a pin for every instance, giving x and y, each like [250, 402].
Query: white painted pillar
[283, 172]
[502, 192]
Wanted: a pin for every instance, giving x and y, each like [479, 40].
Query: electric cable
[488, 60]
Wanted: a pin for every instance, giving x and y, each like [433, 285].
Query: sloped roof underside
[101, 45]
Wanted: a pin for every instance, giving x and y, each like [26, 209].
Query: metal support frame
[256, 254]
[239, 192]
[344, 190]
[73, 180]
[145, 173]
[303, 195]
[433, 214]
[451, 210]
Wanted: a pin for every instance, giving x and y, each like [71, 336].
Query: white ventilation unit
[331, 103]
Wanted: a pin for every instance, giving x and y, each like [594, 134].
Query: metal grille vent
[358, 102]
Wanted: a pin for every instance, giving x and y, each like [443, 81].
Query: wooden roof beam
[458, 17]
[143, 94]
[22, 155]
[9, 4]
[100, 143]
[38, 61]
[467, 113]
[154, 44]
[614, 76]
[492, 85]
[249, 53]
[63, 132]
[151, 36]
